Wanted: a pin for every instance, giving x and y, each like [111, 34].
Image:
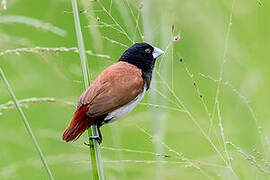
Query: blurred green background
[130, 145]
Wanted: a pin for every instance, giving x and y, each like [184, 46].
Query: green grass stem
[26, 124]
[157, 129]
[95, 154]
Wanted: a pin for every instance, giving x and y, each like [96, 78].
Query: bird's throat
[147, 77]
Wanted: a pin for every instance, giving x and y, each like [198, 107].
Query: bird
[115, 92]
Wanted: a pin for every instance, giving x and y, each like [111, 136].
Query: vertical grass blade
[26, 124]
[156, 114]
[95, 154]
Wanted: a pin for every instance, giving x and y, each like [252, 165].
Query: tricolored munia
[115, 92]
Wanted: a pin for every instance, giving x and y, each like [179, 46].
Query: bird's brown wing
[115, 86]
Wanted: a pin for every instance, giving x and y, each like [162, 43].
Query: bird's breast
[118, 113]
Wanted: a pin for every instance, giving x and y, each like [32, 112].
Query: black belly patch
[100, 120]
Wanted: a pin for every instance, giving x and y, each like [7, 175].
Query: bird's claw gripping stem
[97, 138]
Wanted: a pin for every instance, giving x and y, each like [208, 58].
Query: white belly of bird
[118, 113]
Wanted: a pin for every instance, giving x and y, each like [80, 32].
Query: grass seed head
[176, 38]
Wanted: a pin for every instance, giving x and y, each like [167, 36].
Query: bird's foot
[97, 138]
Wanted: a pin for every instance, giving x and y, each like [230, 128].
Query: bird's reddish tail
[78, 125]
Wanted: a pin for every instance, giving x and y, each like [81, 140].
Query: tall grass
[148, 36]
[33, 22]
[26, 124]
[222, 152]
[157, 115]
[40, 50]
[95, 154]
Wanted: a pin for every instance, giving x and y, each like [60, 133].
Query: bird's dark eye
[148, 50]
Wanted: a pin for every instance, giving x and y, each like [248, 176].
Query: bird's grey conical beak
[157, 52]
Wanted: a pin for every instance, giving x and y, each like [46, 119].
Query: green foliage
[211, 107]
